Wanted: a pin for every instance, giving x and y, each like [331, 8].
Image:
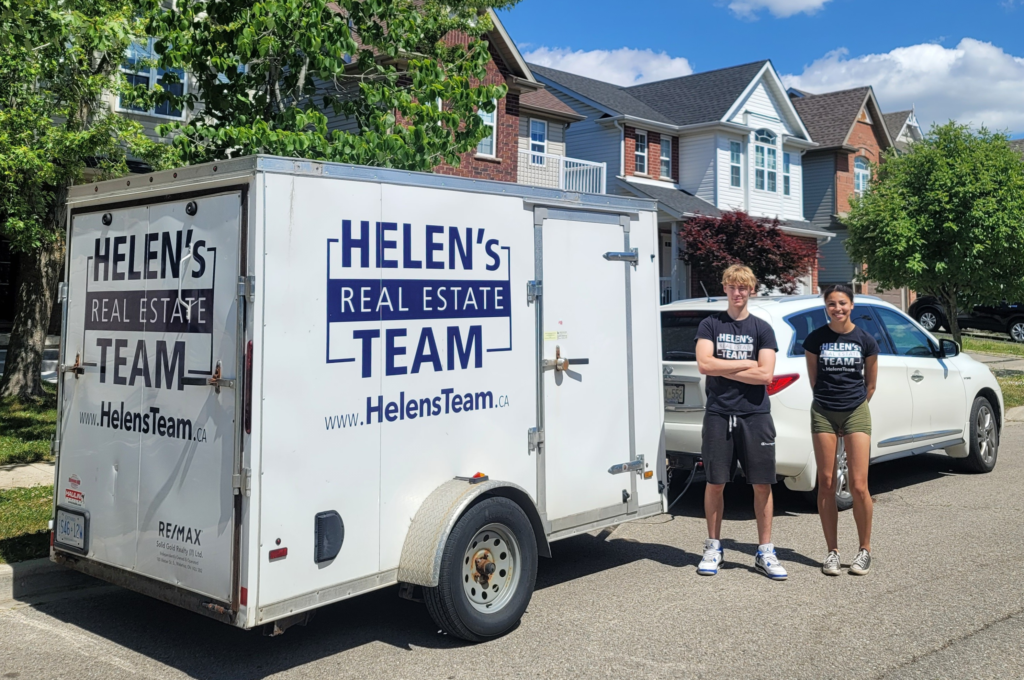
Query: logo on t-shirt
[730, 346]
[840, 356]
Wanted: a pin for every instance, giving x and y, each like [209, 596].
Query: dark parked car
[1007, 317]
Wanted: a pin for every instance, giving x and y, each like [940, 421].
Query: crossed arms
[748, 371]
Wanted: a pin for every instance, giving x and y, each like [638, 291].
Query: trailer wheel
[488, 571]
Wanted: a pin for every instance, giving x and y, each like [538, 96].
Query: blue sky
[961, 60]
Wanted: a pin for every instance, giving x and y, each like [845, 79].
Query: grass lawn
[988, 345]
[26, 428]
[1012, 383]
[24, 514]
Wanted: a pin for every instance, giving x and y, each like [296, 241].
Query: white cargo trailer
[285, 383]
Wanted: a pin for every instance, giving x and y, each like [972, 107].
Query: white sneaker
[768, 564]
[712, 558]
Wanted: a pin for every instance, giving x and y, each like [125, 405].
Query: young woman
[842, 364]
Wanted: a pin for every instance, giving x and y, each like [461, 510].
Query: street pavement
[944, 599]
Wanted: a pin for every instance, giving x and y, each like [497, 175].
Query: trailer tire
[495, 535]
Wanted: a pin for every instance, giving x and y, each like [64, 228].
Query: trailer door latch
[534, 289]
[632, 466]
[535, 436]
[631, 256]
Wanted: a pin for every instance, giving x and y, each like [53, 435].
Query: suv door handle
[917, 377]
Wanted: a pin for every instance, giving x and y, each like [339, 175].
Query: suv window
[907, 339]
[864, 316]
[679, 334]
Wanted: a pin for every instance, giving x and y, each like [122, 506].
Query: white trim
[636, 179]
[520, 62]
[779, 88]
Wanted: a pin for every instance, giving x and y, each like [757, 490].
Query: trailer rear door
[148, 444]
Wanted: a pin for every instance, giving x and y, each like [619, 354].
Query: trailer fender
[420, 563]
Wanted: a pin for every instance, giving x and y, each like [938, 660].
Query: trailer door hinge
[241, 484]
[63, 294]
[535, 437]
[247, 287]
[54, 446]
[534, 289]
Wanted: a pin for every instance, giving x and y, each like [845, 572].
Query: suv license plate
[675, 395]
[70, 530]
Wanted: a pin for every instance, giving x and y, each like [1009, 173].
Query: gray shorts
[749, 438]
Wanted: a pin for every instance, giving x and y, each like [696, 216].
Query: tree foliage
[269, 74]
[777, 259]
[947, 219]
[57, 58]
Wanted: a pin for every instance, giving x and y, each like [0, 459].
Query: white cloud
[974, 82]
[623, 66]
[748, 9]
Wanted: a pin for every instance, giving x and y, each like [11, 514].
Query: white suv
[929, 396]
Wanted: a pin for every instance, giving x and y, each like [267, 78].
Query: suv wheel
[844, 498]
[930, 319]
[1016, 330]
[984, 433]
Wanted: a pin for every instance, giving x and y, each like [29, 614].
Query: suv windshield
[679, 334]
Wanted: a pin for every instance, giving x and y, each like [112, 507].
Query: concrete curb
[33, 578]
[1015, 414]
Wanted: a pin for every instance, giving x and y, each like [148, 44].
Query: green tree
[268, 73]
[947, 219]
[57, 58]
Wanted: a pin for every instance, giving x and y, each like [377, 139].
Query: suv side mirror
[948, 348]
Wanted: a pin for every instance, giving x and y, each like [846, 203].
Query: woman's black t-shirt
[840, 383]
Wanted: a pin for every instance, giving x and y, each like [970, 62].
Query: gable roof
[544, 102]
[700, 97]
[896, 121]
[611, 98]
[676, 202]
[687, 100]
[830, 117]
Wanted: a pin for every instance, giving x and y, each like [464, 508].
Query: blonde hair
[739, 275]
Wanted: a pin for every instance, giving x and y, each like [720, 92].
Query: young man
[736, 351]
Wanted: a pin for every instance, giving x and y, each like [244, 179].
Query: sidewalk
[26, 474]
[1002, 362]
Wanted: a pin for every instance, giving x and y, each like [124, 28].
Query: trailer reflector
[243, 596]
[278, 553]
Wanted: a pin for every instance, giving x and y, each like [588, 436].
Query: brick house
[853, 134]
[701, 144]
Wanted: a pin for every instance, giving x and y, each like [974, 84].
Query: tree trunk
[38, 277]
[952, 310]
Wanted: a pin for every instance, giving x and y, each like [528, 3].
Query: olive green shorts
[845, 422]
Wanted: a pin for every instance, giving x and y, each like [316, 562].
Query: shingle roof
[830, 117]
[676, 200]
[1018, 145]
[896, 121]
[543, 100]
[610, 96]
[698, 98]
[687, 100]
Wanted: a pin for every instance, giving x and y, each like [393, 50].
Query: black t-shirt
[734, 341]
[840, 383]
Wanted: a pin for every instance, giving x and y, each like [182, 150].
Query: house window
[640, 154]
[735, 164]
[861, 175]
[137, 73]
[765, 161]
[538, 140]
[785, 174]
[485, 147]
[666, 157]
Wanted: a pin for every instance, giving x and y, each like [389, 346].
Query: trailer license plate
[675, 395]
[70, 529]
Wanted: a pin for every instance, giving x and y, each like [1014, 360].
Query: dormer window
[765, 161]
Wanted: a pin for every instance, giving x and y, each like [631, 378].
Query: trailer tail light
[781, 382]
[243, 596]
[278, 553]
[248, 388]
